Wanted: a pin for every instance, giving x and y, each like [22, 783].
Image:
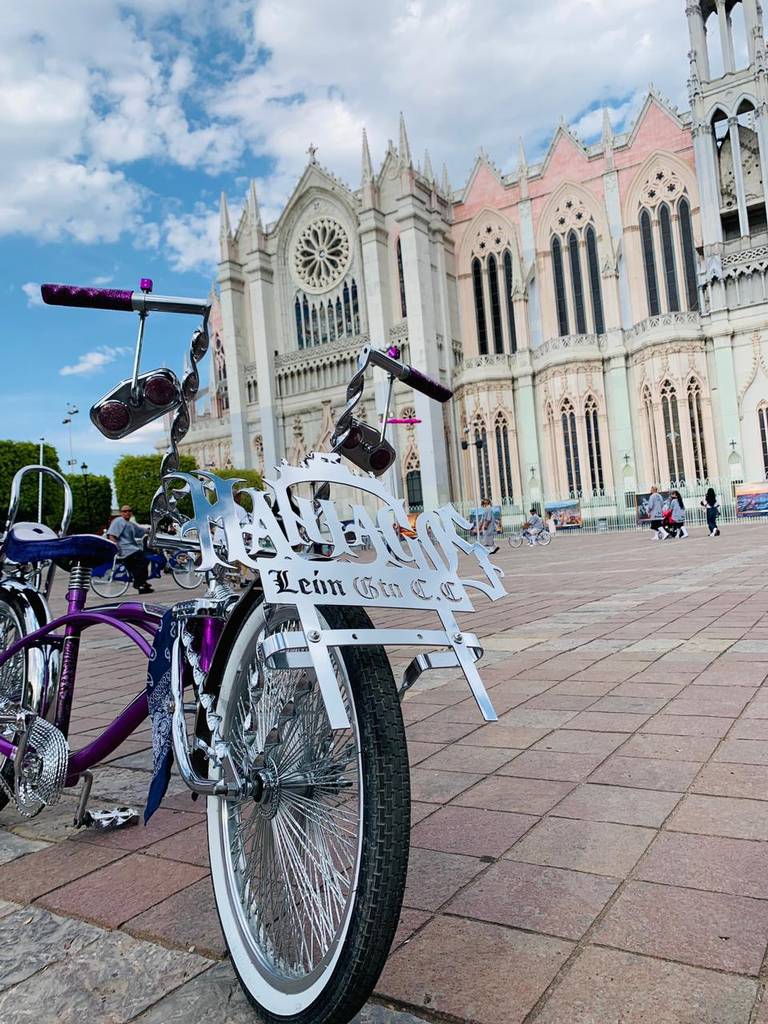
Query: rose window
[321, 254]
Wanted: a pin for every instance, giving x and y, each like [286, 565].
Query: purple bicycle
[278, 704]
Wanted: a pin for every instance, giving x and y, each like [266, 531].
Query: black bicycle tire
[386, 833]
[7, 769]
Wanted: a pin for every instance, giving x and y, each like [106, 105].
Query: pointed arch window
[502, 455]
[650, 425]
[331, 322]
[593, 445]
[401, 280]
[508, 289]
[762, 418]
[550, 431]
[649, 263]
[594, 280]
[307, 322]
[571, 447]
[413, 490]
[355, 308]
[672, 433]
[477, 286]
[315, 327]
[347, 311]
[577, 283]
[483, 462]
[493, 289]
[559, 279]
[697, 430]
[668, 252]
[689, 252]
[339, 319]
[299, 322]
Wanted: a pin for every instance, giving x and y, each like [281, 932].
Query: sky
[122, 121]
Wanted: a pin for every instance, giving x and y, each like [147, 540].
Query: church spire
[446, 184]
[367, 165]
[608, 137]
[225, 228]
[254, 212]
[429, 174]
[522, 171]
[405, 148]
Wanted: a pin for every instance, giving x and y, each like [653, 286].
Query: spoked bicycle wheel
[184, 572]
[308, 878]
[113, 583]
[544, 537]
[14, 682]
[515, 540]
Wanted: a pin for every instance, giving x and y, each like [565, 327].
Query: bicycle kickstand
[104, 820]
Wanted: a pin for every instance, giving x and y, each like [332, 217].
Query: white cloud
[191, 240]
[93, 362]
[32, 291]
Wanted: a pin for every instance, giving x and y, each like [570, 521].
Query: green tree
[13, 456]
[137, 477]
[91, 502]
[252, 477]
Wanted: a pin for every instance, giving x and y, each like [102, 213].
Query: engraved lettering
[281, 579]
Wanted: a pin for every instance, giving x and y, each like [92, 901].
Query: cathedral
[599, 314]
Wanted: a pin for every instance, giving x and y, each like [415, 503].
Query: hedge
[91, 502]
[137, 477]
[14, 455]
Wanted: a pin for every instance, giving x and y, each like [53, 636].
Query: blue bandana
[159, 699]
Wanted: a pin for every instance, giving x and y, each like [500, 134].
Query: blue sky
[122, 122]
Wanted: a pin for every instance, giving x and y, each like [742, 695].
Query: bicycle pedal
[110, 820]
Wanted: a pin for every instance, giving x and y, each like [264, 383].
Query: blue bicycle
[112, 579]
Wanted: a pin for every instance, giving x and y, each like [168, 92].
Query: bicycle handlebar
[408, 375]
[120, 299]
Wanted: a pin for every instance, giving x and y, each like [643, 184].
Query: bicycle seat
[33, 542]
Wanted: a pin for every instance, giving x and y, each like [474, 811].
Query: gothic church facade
[600, 314]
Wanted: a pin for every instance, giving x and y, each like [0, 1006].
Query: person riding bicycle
[129, 537]
[534, 526]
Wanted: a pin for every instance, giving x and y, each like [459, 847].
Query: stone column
[738, 176]
[232, 294]
[698, 34]
[726, 38]
[525, 417]
[619, 411]
[264, 334]
[725, 401]
[709, 183]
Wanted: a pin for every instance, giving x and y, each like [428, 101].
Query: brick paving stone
[473, 970]
[468, 758]
[721, 816]
[471, 831]
[610, 987]
[32, 939]
[743, 752]
[705, 929]
[741, 780]
[688, 725]
[434, 877]
[618, 704]
[549, 764]
[505, 793]
[670, 748]
[189, 846]
[647, 773]
[86, 986]
[575, 741]
[660, 691]
[414, 712]
[410, 921]
[619, 804]
[559, 702]
[420, 811]
[592, 688]
[163, 823]
[419, 751]
[439, 787]
[188, 918]
[602, 848]
[749, 729]
[496, 734]
[25, 879]
[440, 732]
[537, 898]
[606, 722]
[116, 893]
[739, 673]
[738, 866]
[532, 719]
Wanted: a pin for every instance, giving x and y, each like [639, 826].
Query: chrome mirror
[136, 402]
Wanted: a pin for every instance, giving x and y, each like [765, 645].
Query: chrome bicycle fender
[44, 662]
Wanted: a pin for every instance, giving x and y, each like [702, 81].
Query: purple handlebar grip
[90, 298]
[431, 388]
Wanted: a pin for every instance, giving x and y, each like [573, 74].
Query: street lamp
[478, 443]
[40, 483]
[84, 471]
[72, 411]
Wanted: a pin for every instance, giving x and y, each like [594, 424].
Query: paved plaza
[598, 856]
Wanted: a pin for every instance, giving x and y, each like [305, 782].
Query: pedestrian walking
[654, 507]
[129, 537]
[712, 508]
[488, 526]
[675, 524]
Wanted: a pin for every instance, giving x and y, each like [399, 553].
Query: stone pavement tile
[410, 921]
[439, 787]
[741, 780]
[688, 725]
[213, 995]
[606, 986]
[26, 879]
[662, 691]
[467, 758]
[647, 773]
[414, 712]
[602, 848]
[537, 898]
[419, 751]
[550, 764]
[467, 712]
[51, 826]
[606, 722]
[708, 708]
[593, 688]
[435, 877]
[188, 918]
[473, 970]
[611, 670]
[628, 705]
[737, 866]
[496, 734]
[505, 793]
[163, 823]
[419, 811]
[559, 702]
[116, 893]
[762, 1010]
[578, 741]
[656, 674]
[672, 748]
[7, 908]
[13, 846]
[721, 816]
[471, 831]
[88, 986]
[536, 719]
[705, 929]
[733, 673]
[758, 708]
[189, 846]
[619, 804]
[749, 729]
[31, 939]
[441, 732]
[743, 752]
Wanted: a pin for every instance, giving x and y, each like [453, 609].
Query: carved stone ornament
[321, 255]
[281, 540]
[571, 213]
[662, 185]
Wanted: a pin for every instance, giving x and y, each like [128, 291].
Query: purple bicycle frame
[129, 618]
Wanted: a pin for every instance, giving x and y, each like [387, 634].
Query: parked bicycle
[112, 579]
[285, 712]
